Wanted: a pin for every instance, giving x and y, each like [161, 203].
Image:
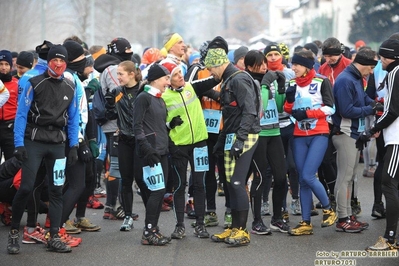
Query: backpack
[99, 109]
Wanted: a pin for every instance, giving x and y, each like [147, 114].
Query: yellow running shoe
[238, 237]
[222, 236]
[303, 228]
[329, 218]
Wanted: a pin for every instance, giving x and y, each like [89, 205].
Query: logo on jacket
[312, 88]
[66, 98]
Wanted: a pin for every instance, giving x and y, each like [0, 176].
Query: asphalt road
[112, 247]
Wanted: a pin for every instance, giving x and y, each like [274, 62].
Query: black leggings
[390, 182]
[381, 151]
[274, 150]
[90, 182]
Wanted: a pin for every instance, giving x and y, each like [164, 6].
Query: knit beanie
[285, 51]
[216, 57]
[389, 49]
[118, 46]
[271, 47]
[57, 51]
[193, 56]
[312, 47]
[219, 42]
[170, 65]
[25, 59]
[42, 49]
[239, 53]
[5, 55]
[74, 50]
[156, 71]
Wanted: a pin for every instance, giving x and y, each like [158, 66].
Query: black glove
[73, 155]
[152, 159]
[290, 94]
[218, 149]
[84, 152]
[110, 98]
[176, 121]
[377, 106]
[362, 140]
[299, 115]
[94, 148]
[280, 82]
[20, 153]
[268, 78]
[237, 148]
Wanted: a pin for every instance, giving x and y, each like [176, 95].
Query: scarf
[276, 65]
[153, 91]
[306, 79]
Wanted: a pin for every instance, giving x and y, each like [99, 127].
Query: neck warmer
[276, 65]
[6, 77]
[153, 91]
[306, 79]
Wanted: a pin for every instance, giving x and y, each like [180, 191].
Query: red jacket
[9, 109]
[332, 72]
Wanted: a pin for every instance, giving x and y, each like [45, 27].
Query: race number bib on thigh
[59, 172]
[229, 141]
[201, 160]
[153, 177]
[212, 120]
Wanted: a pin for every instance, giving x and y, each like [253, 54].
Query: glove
[20, 153]
[280, 82]
[268, 78]
[176, 121]
[93, 86]
[84, 153]
[237, 148]
[290, 94]
[152, 159]
[95, 151]
[110, 98]
[218, 149]
[377, 106]
[299, 115]
[73, 155]
[362, 140]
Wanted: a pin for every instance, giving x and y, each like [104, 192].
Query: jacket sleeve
[371, 90]
[202, 85]
[73, 121]
[24, 103]
[328, 102]
[246, 98]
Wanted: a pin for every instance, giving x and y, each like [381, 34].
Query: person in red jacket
[9, 109]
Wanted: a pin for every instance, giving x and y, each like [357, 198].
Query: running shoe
[222, 236]
[265, 209]
[259, 228]
[94, 203]
[70, 228]
[13, 242]
[66, 238]
[153, 237]
[279, 225]
[84, 224]
[363, 225]
[378, 210]
[165, 207]
[220, 190]
[5, 213]
[168, 199]
[295, 207]
[303, 228]
[37, 236]
[228, 220]
[382, 244]
[47, 223]
[286, 216]
[100, 192]
[189, 210]
[348, 226]
[119, 213]
[200, 231]
[314, 212]
[127, 224]
[329, 218]
[55, 244]
[179, 232]
[356, 208]
[238, 237]
[211, 219]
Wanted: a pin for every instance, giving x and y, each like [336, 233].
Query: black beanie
[42, 49]
[389, 49]
[157, 71]
[74, 50]
[57, 51]
[271, 47]
[25, 59]
[312, 47]
[219, 42]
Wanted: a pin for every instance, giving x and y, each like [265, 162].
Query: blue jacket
[351, 102]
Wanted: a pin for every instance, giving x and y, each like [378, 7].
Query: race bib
[201, 161]
[212, 120]
[270, 115]
[59, 172]
[229, 141]
[153, 177]
[305, 103]
[362, 124]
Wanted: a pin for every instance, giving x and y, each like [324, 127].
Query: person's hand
[237, 148]
[299, 115]
[84, 152]
[95, 151]
[280, 82]
[20, 153]
[73, 155]
[152, 159]
[290, 94]
[268, 78]
[176, 121]
[110, 98]
[93, 86]
[377, 106]
[218, 149]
